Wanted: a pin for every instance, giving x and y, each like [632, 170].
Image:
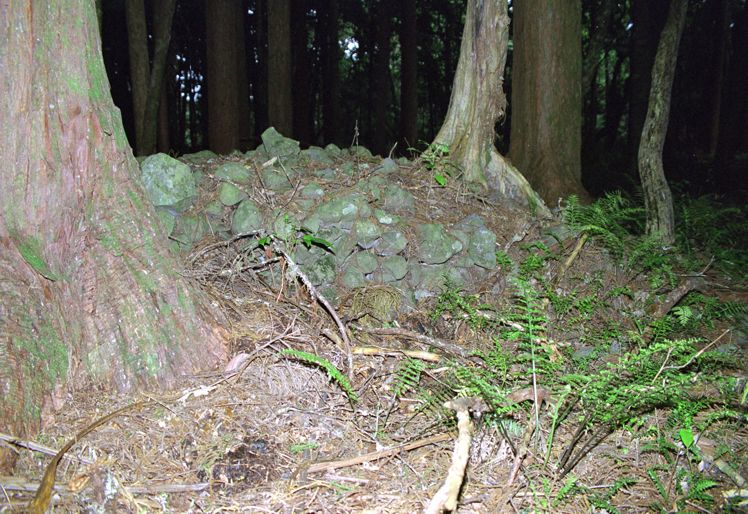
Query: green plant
[408, 375]
[302, 447]
[332, 372]
[435, 158]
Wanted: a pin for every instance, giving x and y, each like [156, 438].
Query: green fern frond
[332, 372]
[408, 375]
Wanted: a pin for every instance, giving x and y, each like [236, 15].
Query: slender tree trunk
[162, 19]
[658, 200]
[223, 77]
[546, 132]
[380, 69]
[147, 77]
[409, 76]
[478, 101]
[260, 69]
[647, 17]
[716, 77]
[331, 74]
[280, 103]
[302, 79]
[90, 293]
[163, 137]
[140, 68]
[244, 111]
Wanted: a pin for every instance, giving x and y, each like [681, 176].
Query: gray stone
[233, 172]
[385, 218]
[230, 195]
[285, 226]
[365, 262]
[326, 173]
[333, 150]
[214, 209]
[353, 279]
[312, 190]
[312, 223]
[190, 229]
[276, 180]
[199, 157]
[367, 233]
[388, 166]
[278, 146]
[317, 154]
[435, 244]
[360, 151]
[374, 186]
[428, 280]
[168, 219]
[168, 182]
[403, 161]
[247, 218]
[398, 199]
[394, 268]
[347, 168]
[482, 248]
[346, 208]
[322, 270]
[393, 242]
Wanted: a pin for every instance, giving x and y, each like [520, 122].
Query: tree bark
[280, 103]
[478, 101]
[380, 80]
[409, 76]
[658, 201]
[140, 67]
[223, 77]
[647, 18]
[302, 115]
[546, 131]
[147, 77]
[90, 294]
[331, 74]
[244, 110]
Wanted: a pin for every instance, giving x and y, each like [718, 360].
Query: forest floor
[596, 378]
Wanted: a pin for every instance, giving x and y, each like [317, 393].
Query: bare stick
[446, 497]
[368, 457]
[295, 271]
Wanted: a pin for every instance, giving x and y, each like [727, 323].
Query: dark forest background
[348, 63]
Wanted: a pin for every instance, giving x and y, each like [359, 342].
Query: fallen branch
[446, 497]
[296, 272]
[368, 457]
[436, 343]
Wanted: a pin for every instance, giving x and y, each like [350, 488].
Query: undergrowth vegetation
[577, 356]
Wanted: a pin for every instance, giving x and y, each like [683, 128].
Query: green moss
[30, 249]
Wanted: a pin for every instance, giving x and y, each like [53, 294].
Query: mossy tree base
[90, 296]
[478, 102]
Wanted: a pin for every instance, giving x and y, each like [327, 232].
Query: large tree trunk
[658, 201]
[409, 76]
[478, 101]
[90, 294]
[223, 76]
[546, 132]
[280, 106]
